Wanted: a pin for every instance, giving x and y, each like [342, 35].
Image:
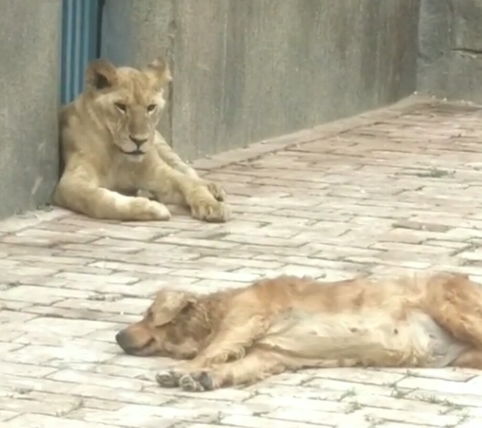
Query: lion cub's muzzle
[134, 146]
[135, 152]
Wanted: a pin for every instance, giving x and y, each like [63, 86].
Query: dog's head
[171, 327]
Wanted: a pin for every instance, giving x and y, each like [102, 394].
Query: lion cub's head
[128, 102]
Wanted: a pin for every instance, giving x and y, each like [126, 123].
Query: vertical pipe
[80, 43]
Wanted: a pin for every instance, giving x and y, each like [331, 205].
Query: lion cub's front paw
[216, 190]
[211, 210]
[145, 209]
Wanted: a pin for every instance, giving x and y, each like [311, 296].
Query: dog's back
[359, 321]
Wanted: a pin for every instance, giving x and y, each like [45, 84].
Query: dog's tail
[455, 302]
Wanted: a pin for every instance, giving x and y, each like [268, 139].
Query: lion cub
[111, 149]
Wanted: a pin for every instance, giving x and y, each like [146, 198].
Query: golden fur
[287, 323]
[111, 149]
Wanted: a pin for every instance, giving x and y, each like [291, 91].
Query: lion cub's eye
[151, 107]
[121, 106]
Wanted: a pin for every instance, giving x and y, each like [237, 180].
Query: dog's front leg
[258, 364]
[230, 343]
[236, 335]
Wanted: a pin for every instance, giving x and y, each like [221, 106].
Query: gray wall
[247, 70]
[243, 70]
[29, 93]
[136, 32]
[450, 53]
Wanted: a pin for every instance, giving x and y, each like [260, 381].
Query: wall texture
[247, 70]
[136, 32]
[243, 71]
[450, 52]
[29, 94]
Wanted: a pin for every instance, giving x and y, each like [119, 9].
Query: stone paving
[393, 189]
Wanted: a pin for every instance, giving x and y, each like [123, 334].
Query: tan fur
[287, 323]
[111, 149]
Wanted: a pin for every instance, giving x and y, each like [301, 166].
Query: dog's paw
[197, 382]
[190, 383]
[168, 378]
[206, 380]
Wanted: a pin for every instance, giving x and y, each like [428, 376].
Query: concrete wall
[247, 70]
[29, 88]
[136, 32]
[243, 71]
[450, 53]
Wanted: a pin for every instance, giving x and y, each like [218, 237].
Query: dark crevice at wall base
[467, 51]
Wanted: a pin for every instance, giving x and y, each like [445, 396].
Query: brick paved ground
[397, 188]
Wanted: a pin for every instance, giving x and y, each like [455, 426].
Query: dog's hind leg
[455, 303]
[470, 359]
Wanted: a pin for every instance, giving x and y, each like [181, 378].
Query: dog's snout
[120, 338]
[127, 341]
[124, 341]
[135, 340]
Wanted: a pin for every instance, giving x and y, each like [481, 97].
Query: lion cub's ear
[101, 74]
[160, 70]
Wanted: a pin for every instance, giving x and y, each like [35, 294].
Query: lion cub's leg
[99, 202]
[170, 185]
[168, 155]
[206, 201]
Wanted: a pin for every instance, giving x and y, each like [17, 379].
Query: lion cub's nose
[138, 140]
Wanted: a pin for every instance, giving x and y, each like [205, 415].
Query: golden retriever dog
[243, 335]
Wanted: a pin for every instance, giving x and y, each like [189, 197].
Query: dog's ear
[168, 304]
[100, 74]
